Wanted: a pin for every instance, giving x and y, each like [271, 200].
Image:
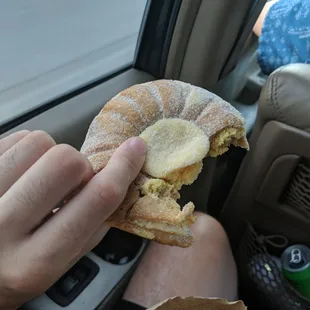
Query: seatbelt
[246, 29]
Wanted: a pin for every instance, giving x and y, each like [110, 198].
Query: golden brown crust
[133, 110]
[182, 241]
[160, 210]
[131, 198]
[156, 218]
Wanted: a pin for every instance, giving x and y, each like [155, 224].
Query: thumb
[126, 162]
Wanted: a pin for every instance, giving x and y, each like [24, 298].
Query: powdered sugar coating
[132, 102]
[133, 110]
[156, 95]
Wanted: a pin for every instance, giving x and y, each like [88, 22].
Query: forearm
[260, 21]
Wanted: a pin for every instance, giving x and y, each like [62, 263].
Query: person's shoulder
[290, 8]
[285, 35]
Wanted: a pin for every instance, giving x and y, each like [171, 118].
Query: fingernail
[138, 145]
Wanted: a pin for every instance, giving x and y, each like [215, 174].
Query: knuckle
[18, 134]
[21, 285]
[26, 276]
[1, 143]
[71, 158]
[5, 222]
[9, 160]
[43, 140]
[65, 149]
[70, 165]
[18, 281]
[65, 152]
[38, 142]
[23, 133]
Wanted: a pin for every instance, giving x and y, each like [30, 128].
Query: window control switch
[72, 283]
[67, 284]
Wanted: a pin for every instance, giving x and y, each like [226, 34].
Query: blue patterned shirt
[285, 35]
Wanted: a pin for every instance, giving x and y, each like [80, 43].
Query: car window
[50, 48]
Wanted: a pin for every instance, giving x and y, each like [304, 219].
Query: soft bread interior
[159, 188]
[220, 142]
[159, 204]
[184, 176]
[158, 216]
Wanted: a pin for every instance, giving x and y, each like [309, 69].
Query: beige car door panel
[68, 122]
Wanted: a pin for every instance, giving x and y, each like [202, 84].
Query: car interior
[261, 197]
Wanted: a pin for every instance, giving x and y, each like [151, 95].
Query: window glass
[51, 47]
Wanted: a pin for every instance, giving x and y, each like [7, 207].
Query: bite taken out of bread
[181, 125]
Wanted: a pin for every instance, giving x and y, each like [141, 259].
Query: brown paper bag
[198, 303]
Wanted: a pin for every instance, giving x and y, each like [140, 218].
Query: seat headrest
[286, 97]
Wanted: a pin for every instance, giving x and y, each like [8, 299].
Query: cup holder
[118, 247]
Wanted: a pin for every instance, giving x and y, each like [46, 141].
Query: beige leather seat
[272, 189]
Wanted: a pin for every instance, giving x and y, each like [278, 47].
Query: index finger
[69, 230]
[7, 142]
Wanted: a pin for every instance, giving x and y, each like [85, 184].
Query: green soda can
[296, 268]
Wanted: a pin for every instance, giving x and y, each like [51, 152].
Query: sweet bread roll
[181, 124]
